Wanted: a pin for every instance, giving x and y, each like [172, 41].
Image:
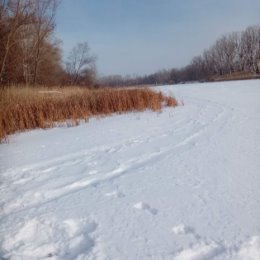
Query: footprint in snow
[181, 229]
[249, 250]
[115, 194]
[144, 206]
[93, 172]
[203, 251]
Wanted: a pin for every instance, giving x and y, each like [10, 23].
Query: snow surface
[182, 184]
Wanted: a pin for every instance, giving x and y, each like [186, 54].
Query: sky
[137, 37]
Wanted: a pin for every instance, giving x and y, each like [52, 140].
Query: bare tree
[250, 47]
[230, 49]
[79, 62]
[44, 11]
[14, 14]
[28, 51]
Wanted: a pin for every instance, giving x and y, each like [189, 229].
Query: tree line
[237, 53]
[29, 52]
[31, 55]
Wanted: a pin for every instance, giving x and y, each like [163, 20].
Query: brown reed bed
[23, 108]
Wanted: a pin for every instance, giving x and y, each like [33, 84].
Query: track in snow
[181, 184]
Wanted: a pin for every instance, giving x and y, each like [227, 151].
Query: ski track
[181, 184]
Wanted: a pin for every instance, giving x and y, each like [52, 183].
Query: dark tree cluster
[29, 52]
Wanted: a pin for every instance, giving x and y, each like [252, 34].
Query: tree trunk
[36, 65]
[5, 58]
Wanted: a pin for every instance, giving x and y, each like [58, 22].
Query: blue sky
[142, 36]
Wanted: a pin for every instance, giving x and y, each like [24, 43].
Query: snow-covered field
[182, 184]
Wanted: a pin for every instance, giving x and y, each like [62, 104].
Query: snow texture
[182, 184]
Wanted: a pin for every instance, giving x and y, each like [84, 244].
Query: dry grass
[28, 108]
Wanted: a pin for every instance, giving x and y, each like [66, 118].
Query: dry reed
[28, 108]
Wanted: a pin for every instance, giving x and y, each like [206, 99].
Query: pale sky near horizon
[143, 36]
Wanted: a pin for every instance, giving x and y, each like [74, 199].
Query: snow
[144, 206]
[67, 239]
[250, 250]
[182, 229]
[181, 184]
[200, 252]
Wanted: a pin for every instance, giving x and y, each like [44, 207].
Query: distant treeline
[31, 55]
[236, 55]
